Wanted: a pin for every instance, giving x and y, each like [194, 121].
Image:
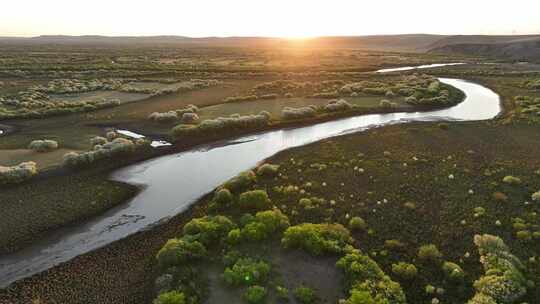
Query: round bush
[305, 295]
[404, 270]
[43, 145]
[255, 294]
[171, 297]
[189, 118]
[268, 170]
[453, 271]
[223, 197]
[429, 252]
[357, 223]
[254, 200]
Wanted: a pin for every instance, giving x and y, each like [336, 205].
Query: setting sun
[291, 19]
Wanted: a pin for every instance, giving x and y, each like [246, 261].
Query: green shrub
[305, 295]
[264, 225]
[317, 239]
[268, 170]
[171, 297]
[429, 252]
[282, 293]
[255, 294]
[223, 197]
[209, 229]
[254, 200]
[453, 271]
[234, 236]
[179, 251]
[246, 271]
[524, 235]
[394, 245]
[357, 223]
[240, 182]
[405, 270]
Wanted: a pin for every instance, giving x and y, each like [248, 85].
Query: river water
[173, 182]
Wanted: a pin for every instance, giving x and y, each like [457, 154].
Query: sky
[275, 18]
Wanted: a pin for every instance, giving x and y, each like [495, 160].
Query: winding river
[173, 182]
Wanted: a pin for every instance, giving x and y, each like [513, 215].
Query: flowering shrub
[164, 117]
[119, 146]
[221, 124]
[337, 105]
[18, 173]
[511, 180]
[289, 113]
[503, 281]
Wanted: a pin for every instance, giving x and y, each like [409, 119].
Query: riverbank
[128, 263]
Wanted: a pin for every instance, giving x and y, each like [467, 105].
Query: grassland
[440, 206]
[419, 184]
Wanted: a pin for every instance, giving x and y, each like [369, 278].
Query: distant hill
[413, 42]
[518, 47]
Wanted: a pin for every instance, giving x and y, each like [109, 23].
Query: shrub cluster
[117, 147]
[404, 270]
[368, 283]
[164, 117]
[337, 105]
[289, 113]
[503, 281]
[255, 294]
[222, 124]
[265, 224]
[209, 229]
[18, 173]
[177, 252]
[317, 239]
[45, 145]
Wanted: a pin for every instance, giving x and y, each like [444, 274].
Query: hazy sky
[288, 18]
